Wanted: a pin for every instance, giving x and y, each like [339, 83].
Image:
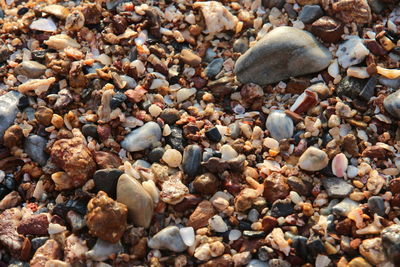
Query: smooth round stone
[172, 157]
[214, 67]
[234, 235]
[191, 163]
[30, 69]
[175, 138]
[117, 100]
[106, 180]
[168, 238]
[34, 146]
[142, 138]
[279, 125]
[376, 204]
[310, 13]
[90, 130]
[392, 104]
[130, 82]
[8, 110]
[187, 235]
[139, 202]
[391, 242]
[313, 159]
[241, 45]
[282, 53]
[350, 86]
[156, 154]
[170, 115]
[344, 207]
[44, 25]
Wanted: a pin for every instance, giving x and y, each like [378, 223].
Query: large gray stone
[282, 53]
[142, 138]
[8, 110]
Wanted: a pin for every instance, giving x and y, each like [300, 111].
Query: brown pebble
[13, 136]
[328, 29]
[190, 58]
[199, 217]
[44, 115]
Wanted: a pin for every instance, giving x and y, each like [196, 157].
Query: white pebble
[234, 235]
[185, 94]
[217, 224]
[188, 236]
[172, 157]
[295, 197]
[253, 215]
[322, 260]
[352, 171]
[228, 152]
[351, 52]
[45, 25]
[155, 110]
[271, 143]
[333, 69]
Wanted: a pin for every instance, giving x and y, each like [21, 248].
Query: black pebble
[117, 100]
[213, 134]
[22, 11]
[9, 182]
[156, 154]
[90, 130]
[282, 208]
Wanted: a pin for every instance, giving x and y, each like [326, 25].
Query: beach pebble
[168, 238]
[279, 125]
[172, 157]
[351, 52]
[8, 110]
[142, 138]
[313, 159]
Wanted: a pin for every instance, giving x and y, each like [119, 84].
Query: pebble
[13, 136]
[187, 235]
[390, 241]
[234, 235]
[117, 100]
[8, 110]
[156, 154]
[172, 157]
[175, 139]
[351, 87]
[191, 162]
[279, 125]
[106, 180]
[199, 217]
[142, 138]
[170, 115]
[214, 67]
[30, 69]
[313, 159]
[106, 218]
[339, 165]
[372, 250]
[241, 45]
[35, 146]
[184, 94]
[213, 134]
[190, 58]
[168, 238]
[257, 263]
[358, 262]
[140, 207]
[56, 10]
[44, 25]
[392, 104]
[282, 208]
[36, 224]
[344, 207]
[90, 130]
[376, 204]
[228, 152]
[206, 184]
[275, 187]
[310, 13]
[351, 52]
[50, 250]
[102, 250]
[282, 53]
[357, 11]
[44, 115]
[337, 187]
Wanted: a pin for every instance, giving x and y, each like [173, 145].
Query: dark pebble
[156, 154]
[241, 45]
[300, 186]
[282, 208]
[191, 162]
[244, 225]
[3, 191]
[337, 187]
[253, 234]
[391, 242]
[290, 10]
[90, 130]
[170, 115]
[310, 13]
[117, 100]
[299, 244]
[214, 67]
[9, 182]
[175, 139]
[369, 89]
[22, 11]
[37, 242]
[106, 180]
[315, 247]
[376, 204]
[350, 86]
[213, 134]
[273, 3]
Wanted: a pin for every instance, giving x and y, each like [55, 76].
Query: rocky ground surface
[200, 133]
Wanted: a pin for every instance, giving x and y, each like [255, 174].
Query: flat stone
[142, 138]
[8, 110]
[337, 187]
[141, 206]
[344, 207]
[168, 238]
[282, 53]
[34, 146]
[282, 208]
[351, 52]
[214, 67]
[350, 87]
[30, 69]
[106, 180]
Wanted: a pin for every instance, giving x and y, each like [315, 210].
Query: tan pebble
[358, 184]
[357, 196]
[172, 157]
[330, 249]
